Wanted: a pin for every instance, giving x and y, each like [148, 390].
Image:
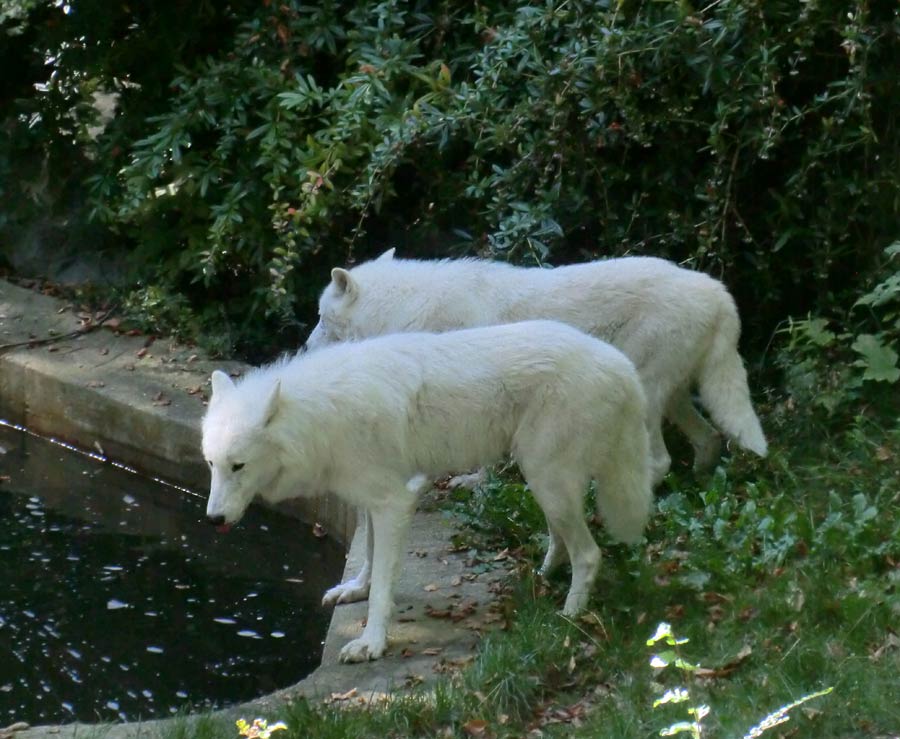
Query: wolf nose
[216, 520]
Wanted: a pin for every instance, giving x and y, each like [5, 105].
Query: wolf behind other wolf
[371, 420]
[680, 328]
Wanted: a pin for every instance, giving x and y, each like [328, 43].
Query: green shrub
[751, 140]
[831, 363]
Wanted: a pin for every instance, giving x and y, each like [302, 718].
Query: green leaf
[680, 728]
[879, 361]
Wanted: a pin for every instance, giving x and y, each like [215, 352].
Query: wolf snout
[219, 522]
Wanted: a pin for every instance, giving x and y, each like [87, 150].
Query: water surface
[117, 600]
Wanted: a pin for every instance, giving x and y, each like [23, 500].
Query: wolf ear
[222, 384]
[272, 403]
[387, 256]
[344, 283]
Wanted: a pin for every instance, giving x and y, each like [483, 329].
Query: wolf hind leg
[704, 438]
[561, 497]
[357, 588]
[556, 553]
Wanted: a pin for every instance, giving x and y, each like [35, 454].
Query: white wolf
[679, 327]
[371, 421]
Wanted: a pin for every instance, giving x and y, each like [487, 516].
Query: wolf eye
[237, 466]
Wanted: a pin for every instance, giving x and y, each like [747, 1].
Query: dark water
[117, 601]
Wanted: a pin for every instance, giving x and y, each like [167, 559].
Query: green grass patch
[782, 574]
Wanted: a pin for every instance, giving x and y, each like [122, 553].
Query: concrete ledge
[136, 400]
[141, 403]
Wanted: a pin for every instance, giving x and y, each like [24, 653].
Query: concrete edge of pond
[140, 401]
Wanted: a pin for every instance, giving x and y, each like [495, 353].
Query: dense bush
[755, 140]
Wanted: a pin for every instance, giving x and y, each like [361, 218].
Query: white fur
[373, 421]
[679, 327]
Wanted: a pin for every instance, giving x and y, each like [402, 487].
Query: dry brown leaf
[437, 612]
[728, 667]
[343, 696]
[892, 642]
[475, 727]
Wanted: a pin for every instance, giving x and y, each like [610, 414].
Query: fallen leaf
[713, 597]
[475, 727]
[430, 588]
[432, 651]
[892, 642]
[342, 696]
[160, 399]
[141, 353]
[728, 667]
[437, 612]
[96, 384]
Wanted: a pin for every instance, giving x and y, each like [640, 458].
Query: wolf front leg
[357, 588]
[389, 527]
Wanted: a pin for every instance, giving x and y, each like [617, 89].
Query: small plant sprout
[259, 729]
[670, 657]
[694, 727]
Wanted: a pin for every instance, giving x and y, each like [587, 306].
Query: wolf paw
[347, 592]
[469, 481]
[362, 650]
[575, 604]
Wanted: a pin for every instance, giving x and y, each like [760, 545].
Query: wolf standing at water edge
[370, 420]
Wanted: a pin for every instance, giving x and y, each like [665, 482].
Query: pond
[119, 602]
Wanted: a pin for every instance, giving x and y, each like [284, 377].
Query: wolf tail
[624, 490]
[722, 381]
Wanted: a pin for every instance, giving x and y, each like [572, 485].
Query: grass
[782, 574]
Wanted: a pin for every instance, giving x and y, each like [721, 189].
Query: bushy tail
[624, 491]
[722, 381]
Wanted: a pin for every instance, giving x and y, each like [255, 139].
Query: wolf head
[337, 309]
[238, 448]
